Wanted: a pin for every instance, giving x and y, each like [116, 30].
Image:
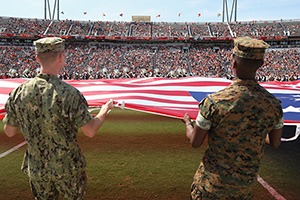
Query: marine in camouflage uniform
[49, 113]
[238, 119]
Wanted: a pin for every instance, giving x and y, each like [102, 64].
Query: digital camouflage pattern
[49, 44]
[70, 188]
[250, 48]
[49, 113]
[241, 116]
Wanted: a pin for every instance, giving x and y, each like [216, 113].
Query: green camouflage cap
[247, 47]
[49, 44]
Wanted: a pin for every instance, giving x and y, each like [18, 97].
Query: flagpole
[45, 11]
[58, 10]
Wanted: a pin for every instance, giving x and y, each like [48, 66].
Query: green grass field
[143, 156]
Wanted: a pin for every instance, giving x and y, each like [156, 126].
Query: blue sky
[169, 10]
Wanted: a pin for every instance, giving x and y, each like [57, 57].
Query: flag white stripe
[154, 88]
[283, 91]
[163, 97]
[157, 81]
[154, 103]
[3, 98]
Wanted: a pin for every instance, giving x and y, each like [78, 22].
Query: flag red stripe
[158, 100]
[134, 85]
[157, 92]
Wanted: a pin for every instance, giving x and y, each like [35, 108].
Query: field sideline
[143, 156]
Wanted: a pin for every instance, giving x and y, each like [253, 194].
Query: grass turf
[143, 156]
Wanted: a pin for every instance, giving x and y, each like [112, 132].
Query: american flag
[162, 96]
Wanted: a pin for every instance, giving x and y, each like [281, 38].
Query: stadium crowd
[123, 60]
[10, 25]
[110, 61]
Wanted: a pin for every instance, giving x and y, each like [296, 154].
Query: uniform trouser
[70, 187]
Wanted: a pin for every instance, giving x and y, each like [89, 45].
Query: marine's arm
[90, 129]
[274, 138]
[11, 130]
[11, 124]
[196, 135]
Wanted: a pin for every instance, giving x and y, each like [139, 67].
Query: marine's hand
[91, 128]
[110, 104]
[107, 107]
[186, 119]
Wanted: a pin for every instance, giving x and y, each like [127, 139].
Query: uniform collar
[245, 82]
[47, 76]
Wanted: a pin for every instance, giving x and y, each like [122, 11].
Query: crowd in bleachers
[220, 30]
[23, 26]
[148, 29]
[102, 60]
[111, 61]
[17, 62]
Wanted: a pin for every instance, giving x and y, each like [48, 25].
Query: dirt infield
[6, 142]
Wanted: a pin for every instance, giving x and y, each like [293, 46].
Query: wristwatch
[191, 123]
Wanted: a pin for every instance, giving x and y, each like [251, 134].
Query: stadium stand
[108, 50]
[220, 30]
[160, 29]
[148, 29]
[140, 29]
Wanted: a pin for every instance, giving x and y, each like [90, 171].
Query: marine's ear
[37, 58]
[234, 64]
[262, 63]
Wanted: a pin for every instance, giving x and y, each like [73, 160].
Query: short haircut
[249, 64]
[47, 57]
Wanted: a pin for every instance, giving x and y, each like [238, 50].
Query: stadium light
[55, 8]
[233, 11]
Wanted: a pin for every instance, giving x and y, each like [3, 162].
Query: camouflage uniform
[49, 113]
[238, 119]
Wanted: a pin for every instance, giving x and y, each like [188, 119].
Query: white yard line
[12, 149]
[272, 191]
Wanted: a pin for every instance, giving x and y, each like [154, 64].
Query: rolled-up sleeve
[202, 122]
[280, 124]
[10, 117]
[79, 111]
[204, 118]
